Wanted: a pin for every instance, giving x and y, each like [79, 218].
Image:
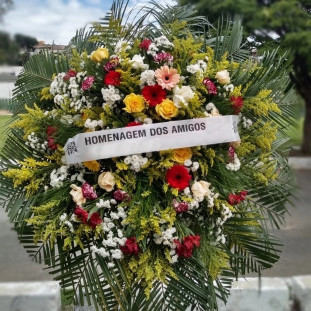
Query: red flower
[87, 83]
[243, 194]
[88, 191]
[178, 177]
[50, 130]
[185, 248]
[211, 87]
[234, 199]
[112, 78]
[237, 103]
[130, 247]
[82, 214]
[95, 220]
[71, 73]
[51, 143]
[153, 94]
[134, 123]
[145, 44]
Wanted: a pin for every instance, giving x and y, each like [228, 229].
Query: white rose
[200, 189]
[138, 62]
[223, 77]
[182, 94]
[77, 194]
[106, 181]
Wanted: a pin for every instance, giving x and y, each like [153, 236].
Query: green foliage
[84, 275]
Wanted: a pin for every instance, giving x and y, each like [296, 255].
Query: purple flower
[111, 64]
[231, 152]
[180, 207]
[88, 192]
[87, 83]
[163, 57]
[212, 89]
[118, 195]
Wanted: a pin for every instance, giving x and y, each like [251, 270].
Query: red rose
[145, 44]
[178, 177]
[71, 73]
[211, 87]
[112, 78]
[153, 94]
[134, 123]
[81, 214]
[130, 247]
[95, 220]
[237, 103]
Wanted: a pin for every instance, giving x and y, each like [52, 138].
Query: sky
[55, 20]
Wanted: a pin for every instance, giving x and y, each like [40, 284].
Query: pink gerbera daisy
[167, 77]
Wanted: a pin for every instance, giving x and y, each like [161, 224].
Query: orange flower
[167, 77]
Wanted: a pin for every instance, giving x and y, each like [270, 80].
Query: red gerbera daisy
[112, 78]
[153, 94]
[237, 103]
[178, 177]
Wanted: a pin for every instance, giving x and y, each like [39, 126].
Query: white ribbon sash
[151, 137]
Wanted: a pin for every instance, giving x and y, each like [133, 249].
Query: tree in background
[5, 5]
[277, 22]
[8, 50]
[15, 51]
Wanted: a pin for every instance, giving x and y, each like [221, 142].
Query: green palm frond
[85, 276]
[81, 41]
[228, 39]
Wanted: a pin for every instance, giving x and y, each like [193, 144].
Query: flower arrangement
[163, 217]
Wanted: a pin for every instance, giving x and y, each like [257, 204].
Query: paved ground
[296, 236]
[15, 264]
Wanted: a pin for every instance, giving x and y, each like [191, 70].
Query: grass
[3, 120]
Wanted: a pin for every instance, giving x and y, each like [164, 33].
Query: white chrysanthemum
[111, 95]
[147, 77]
[163, 42]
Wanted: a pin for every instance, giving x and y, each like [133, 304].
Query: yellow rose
[106, 181]
[134, 103]
[99, 55]
[77, 194]
[182, 154]
[167, 109]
